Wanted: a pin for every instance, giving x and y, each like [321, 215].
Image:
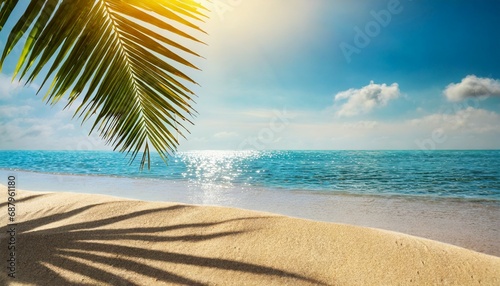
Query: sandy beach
[81, 239]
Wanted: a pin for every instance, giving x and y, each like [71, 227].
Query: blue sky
[318, 74]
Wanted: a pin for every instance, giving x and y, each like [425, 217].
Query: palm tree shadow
[23, 200]
[89, 249]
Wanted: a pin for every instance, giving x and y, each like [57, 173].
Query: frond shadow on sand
[101, 251]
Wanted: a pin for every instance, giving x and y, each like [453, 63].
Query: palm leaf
[127, 74]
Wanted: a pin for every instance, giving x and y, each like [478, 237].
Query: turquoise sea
[431, 174]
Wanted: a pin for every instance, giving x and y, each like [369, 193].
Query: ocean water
[468, 174]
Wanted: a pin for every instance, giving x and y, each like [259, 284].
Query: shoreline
[465, 223]
[67, 178]
[97, 239]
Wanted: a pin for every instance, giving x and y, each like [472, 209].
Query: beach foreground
[77, 239]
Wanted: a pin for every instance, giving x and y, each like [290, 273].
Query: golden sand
[79, 239]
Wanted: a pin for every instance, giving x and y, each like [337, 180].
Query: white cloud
[46, 133]
[13, 111]
[225, 135]
[361, 125]
[16, 135]
[366, 99]
[38, 131]
[269, 114]
[472, 87]
[67, 127]
[469, 128]
[8, 87]
[469, 120]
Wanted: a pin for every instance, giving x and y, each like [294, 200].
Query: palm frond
[127, 74]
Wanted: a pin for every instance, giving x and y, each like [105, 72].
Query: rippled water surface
[456, 174]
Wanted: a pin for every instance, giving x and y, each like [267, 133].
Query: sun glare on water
[216, 166]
